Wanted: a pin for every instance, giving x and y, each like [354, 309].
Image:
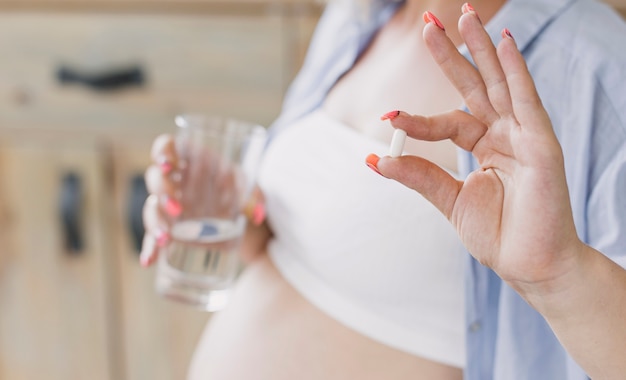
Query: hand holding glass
[218, 159]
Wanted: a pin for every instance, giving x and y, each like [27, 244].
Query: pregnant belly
[269, 332]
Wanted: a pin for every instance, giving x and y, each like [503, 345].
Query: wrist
[559, 291]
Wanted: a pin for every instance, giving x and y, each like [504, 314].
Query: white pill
[397, 143]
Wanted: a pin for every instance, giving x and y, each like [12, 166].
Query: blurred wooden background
[85, 87]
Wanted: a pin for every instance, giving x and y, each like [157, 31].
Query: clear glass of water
[217, 162]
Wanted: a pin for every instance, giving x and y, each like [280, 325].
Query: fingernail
[429, 17]
[255, 210]
[166, 165]
[468, 8]
[173, 207]
[507, 34]
[162, 239]
[258, 214]
[390, 115]
[372, 162]
[147, 257]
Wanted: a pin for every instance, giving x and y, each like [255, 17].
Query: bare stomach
[269, 332]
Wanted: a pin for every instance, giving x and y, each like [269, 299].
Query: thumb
[432, 182]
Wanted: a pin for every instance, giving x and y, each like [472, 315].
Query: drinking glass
[217, 163]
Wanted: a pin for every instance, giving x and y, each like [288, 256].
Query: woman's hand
[164, 204]
[514, 213]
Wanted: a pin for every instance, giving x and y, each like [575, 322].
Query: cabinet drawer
[237, 65]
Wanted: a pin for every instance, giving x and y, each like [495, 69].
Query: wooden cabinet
[620, 5]
[145, 318]
[54, 303]
[84, 89]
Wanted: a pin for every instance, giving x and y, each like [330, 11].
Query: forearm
[587, 312]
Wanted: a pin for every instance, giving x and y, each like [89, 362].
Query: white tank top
[371, 253]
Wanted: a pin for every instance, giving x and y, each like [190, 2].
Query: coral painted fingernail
[467, 7]
[162, 239]
[507, 34]
[166, 165]
[255, 210]
[390, 115]
[372, 162]
[147, 257]
[429, 17]
[173, 207]
[258, 214]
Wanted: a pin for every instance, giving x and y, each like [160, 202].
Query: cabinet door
[160, 335]
[54, 300]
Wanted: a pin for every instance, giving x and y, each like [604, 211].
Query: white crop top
[369, 252]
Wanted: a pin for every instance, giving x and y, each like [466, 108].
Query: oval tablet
[397, 143]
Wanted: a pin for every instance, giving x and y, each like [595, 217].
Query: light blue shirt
[576, 52]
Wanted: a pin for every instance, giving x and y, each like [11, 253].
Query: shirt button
[474, 326]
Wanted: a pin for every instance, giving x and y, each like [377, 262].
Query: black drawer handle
[136, 200]
[110, 79]
[70, 207]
